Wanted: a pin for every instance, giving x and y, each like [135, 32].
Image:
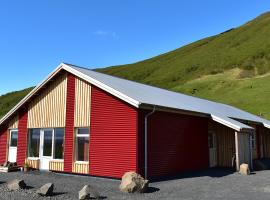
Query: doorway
[12, 150]
[212, 144]
[46, 148]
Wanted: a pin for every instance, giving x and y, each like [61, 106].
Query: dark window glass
[34, 140]
[82, 148]
[47, 146]
[58, 143]
[83, 131]
[13, 138]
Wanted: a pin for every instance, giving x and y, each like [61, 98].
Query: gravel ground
[209, 184]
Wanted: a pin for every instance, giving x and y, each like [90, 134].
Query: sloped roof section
[141, 95]
[149, 95]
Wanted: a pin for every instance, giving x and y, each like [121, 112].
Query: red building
[85, 122]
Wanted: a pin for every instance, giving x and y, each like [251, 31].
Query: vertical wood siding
[225, 143]
[34, 164]
[69, 134]
[266, 142]
[82, 103]
[14, 122]
[80, 168]
[48, 109]
[56, 166]
[22, 137]
[176, 143]
[113, 135]
[3, 144]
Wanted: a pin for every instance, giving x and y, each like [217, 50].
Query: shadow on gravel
[213, 172]
[152, 190]
[58, 193]
[28, 187]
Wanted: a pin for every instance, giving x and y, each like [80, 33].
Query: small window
[13, 138]
[34, 140]
[82, 144]
[253, 140]
[59, 143]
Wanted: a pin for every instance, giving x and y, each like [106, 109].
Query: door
[212, 143]
[46, 148]
[12, 151]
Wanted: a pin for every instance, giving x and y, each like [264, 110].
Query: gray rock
[16, 184]
[133, 182]
[88, 192]
[46, 190]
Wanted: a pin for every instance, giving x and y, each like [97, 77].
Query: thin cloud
[102, 33]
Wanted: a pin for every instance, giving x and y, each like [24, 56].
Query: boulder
[244, 169]
[46, 190]
[133, 182]
[88, 192]
[16, 184]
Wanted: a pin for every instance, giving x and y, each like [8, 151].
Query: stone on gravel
[46, 190]
[16, 184]
[133, 182]
[88, 192]
[244, 169]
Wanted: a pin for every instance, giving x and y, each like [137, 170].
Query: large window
[13, 138]
[82, 144]
[34, 140]
[59, 143]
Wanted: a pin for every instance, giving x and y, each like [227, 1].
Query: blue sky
[36, 36]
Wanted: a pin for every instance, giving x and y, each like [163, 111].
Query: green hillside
[9, 100]
[232, 67]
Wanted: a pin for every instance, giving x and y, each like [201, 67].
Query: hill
[232, 67]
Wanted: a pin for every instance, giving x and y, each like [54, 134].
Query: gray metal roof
[145, 94]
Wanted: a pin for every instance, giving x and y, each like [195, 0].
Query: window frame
[10, 132]
[76, 144]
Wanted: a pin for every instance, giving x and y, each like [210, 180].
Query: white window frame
[76, 144]
[10, 132]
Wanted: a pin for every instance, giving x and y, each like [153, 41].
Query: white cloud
[103, 33]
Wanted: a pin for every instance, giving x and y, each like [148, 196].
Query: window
[253, 140]
[34, 140]
[82, 144]
[13, 138]
[59, 143]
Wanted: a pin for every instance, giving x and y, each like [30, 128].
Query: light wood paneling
[82, 103]
[33, 163]
[48, 109]
[56, 165]
[225, 143]
[14, 122]
[80, 168]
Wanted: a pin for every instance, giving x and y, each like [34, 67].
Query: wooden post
[237, 151]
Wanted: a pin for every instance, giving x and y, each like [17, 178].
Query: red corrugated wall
[22, 137]
[176, 143]
[69, 131]
[3, 144]
[113, 135]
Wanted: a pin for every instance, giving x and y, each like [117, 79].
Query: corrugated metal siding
[82, 103]
[56, 166]
[176, 143]
[48, 109]
[3, 144]
[80, 168]
[22, 137]
[225, 143]
[113, 136]
[14, 122]
[69, 134]
[33, 163]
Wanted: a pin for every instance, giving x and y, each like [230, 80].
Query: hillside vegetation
[232, 67]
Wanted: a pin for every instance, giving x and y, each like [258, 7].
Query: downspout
[145, 141]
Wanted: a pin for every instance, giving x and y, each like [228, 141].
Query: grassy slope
[9, 100]
[232, 67]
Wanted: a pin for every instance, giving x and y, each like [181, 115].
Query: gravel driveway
[209, 184]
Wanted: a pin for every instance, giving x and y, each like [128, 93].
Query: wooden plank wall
[80, 168]
[266, 142]
[14, 122]
[33, 163]
[56, 165]
[48, 109]
[225, 143]
[82, 103]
